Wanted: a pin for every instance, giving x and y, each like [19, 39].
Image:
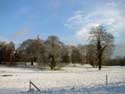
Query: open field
[68, 80]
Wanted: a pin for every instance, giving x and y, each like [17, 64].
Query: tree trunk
[99, 53]
[53, 63]
[100, 61]
[32, 62]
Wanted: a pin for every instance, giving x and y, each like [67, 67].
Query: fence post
[106, 79]
[32, 84]
[29, 85]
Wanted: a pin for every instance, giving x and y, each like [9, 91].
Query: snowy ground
[68, 80]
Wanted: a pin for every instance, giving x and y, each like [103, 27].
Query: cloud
[22, 32]
[111, 16]
[75, 21]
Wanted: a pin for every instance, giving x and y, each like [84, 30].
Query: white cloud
[76, 21]
[22, 32]
[110, 15]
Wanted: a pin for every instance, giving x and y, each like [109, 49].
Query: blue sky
[68, 19]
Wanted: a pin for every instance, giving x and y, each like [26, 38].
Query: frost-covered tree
[32, 49]
[53, 48]
[7, 53]
[102, 40]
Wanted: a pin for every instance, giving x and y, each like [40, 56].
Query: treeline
[54, 53]
[51, 52]
[119, 60]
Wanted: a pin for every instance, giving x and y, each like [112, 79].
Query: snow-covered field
[68, 80]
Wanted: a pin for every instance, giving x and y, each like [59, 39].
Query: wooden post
[29, 85]
[32, 84]
[106, 79]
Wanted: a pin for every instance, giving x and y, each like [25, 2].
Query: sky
[70, 20]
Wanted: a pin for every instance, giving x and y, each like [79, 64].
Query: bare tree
[76, 55]
[2, 51]
[83, 50]
[32, 49]
[7, 53]
[91, 55]
[38, 50]
[102, 40]
[53, 48]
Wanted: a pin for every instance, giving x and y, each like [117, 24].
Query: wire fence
[105, 89]
[109, 86]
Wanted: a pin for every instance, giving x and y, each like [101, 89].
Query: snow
[69, 80]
